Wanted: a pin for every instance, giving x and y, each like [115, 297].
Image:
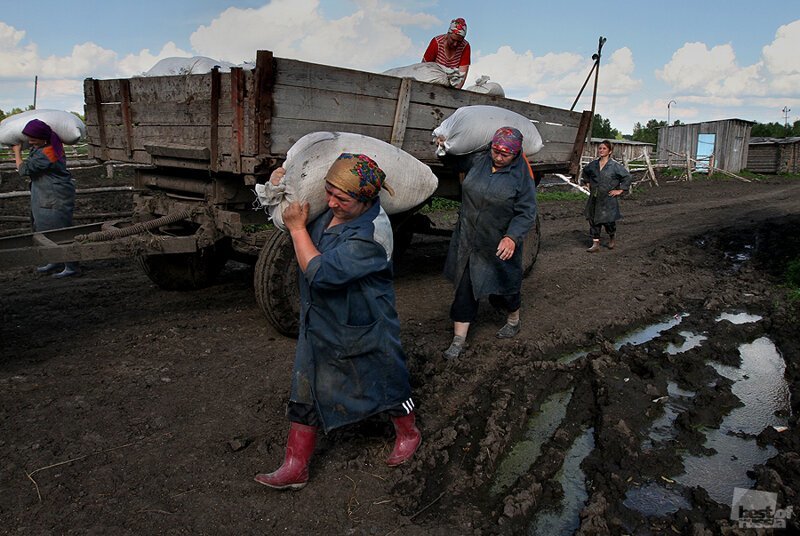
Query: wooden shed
[624, 150]
[722, 144]
[774, 155]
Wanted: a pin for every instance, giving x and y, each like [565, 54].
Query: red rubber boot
[293, 474]
[407, 441]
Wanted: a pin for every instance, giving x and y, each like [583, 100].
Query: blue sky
[715, 59]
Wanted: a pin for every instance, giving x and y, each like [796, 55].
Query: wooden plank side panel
[443, 97]
[298, 74]
[310, 104]
[162, 135]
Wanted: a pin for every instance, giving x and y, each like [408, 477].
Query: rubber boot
[407, 440]
[612, 243]
[293, 474]
[595, 246]
[70, 269]
[47, 268]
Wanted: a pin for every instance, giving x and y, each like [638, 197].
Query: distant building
[624, 150]
[774, 155]
[723, 144]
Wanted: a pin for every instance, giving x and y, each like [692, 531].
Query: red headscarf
[458, 27]
[507, 139]
[42, 131]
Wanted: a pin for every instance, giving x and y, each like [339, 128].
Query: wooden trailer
[204, 141]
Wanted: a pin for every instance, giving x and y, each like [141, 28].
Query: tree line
[648, 133]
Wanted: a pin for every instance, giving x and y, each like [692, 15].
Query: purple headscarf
[507, 139]
[42, 131]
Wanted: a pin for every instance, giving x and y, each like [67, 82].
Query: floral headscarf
[507, 139]
[358, 176]
[458, 27]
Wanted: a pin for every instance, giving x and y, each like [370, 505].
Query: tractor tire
[276, 285]
[530, 248]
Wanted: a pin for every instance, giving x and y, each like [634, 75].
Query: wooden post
[237, 126]
[101, 124]
[213, 141]
[688, 167]
[401, 113]
[125, 97]
[580, 141]
[650, 169]
[264, 85]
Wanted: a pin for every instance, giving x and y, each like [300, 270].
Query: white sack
[471, 129]
[68, 126]
[428, 71]
[194, 65]
[483, 86]
[308, 161]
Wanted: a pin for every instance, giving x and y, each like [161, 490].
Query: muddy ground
[125, 409]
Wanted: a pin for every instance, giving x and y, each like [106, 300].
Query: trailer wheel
[186, 271]
[530, 248]
[276, 285]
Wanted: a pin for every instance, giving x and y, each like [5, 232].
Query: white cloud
[554, 78]
[780, 56]
[297, 29]
[713, 76]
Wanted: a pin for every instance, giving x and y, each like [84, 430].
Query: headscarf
[458, 26]
[359, 176]
[507, 139]
[42, 131]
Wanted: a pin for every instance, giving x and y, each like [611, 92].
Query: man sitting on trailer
[451, 49]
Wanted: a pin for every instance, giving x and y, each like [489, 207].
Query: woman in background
[607, 180]
[498, 208]
[451, 49]
[52, 186]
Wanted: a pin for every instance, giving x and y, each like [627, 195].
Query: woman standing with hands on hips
[498, 208]
[52, 186]
[607, 180]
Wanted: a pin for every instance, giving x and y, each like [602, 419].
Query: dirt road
[125, 409]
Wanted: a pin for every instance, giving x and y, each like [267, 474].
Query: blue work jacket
[52, 189]
[493, 205]
[349, 362]
[601, 207]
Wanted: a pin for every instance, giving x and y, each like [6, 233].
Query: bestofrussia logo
[754, 509]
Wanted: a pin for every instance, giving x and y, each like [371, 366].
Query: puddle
[569, 358]
[653, 499]
[635, 338]
[662, 428]
[738, 318]
[649, 333]
[690, 340]
[760, 385]
[523, 455]
[566, 519]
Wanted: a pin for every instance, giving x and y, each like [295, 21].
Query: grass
[437, 204]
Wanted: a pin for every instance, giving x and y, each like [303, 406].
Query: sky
[682, 59]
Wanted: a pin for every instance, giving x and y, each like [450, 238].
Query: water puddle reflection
[523, 455]
[566, 519]
[760, 385]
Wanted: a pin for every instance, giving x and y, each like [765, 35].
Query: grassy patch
[257, 227]
[437, 204]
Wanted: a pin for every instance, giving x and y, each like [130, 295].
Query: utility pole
[786, 111]
[670, 103]
[35, 89]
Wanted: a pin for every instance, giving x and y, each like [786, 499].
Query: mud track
[125, 409]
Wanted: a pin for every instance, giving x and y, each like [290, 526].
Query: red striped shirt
[436, 52]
